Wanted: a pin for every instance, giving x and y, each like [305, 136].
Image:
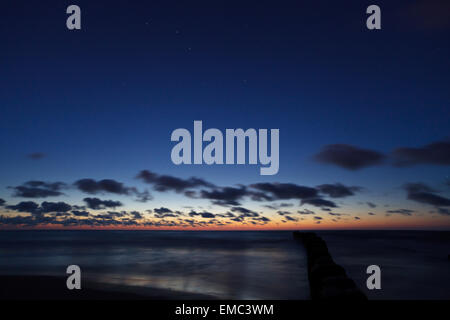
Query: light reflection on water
[226, 265]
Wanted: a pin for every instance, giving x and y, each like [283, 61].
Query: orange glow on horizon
[303, 225]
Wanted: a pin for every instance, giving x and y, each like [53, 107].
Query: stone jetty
[327, 280]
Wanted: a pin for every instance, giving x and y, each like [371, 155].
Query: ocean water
[232, 265]
[224, 265]
[414, 264]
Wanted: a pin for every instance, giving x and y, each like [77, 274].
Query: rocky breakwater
[327, 280]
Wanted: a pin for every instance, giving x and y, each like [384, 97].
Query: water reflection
[226, 265]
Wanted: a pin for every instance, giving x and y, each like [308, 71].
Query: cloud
[290, 218]
[164, 183]
[166, 213]
[318, 218]
[422, 193]
[55, 207]
[106, 185]
[114, 218]
[319, 202]
[36, 155]
[405, 212]
[444, 211]
[25, 206]
[371, 213]
[261, 219]
[78, 213]
[372, 205]
[338, 190]
[417, 187]
[349, 157]
[305, 211]
[283, 191]
[244, 212]
[2, 202]
[276, 206]
[437, 153]
[38, 189]
[45, 207]
[97, 204]
[337, 214]
[162, 210]
[226, 196]
[136, 215]
[92, 186]
[203, 214]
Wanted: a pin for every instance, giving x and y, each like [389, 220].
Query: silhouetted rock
[327, 280]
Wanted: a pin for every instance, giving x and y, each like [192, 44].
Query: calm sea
[233, 265]
[414, 264]
[225, 265]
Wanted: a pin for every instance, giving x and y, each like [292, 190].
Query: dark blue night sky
[101, 102]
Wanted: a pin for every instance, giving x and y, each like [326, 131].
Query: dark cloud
[225, 215]
[337, 214]
[372, 205]
[405, 212]
[437, 153]
[290, 218]
[338, 190]
[97, 204]
[203, 214]
[429, 198]
[357, 218]
[110, 215]
[276, 206]
[2, 202]
[349, 157]
[108, 219]
[422, 193]
[319, 202]
[106, 185]
[78, 213]
[62, 214]
[166, 213]
[371, 213]
[279, 191]
[261, 219]
[417, 187]
[305, 211]
[283, 213]
[36, 155]
[25, 206]
[92, 186]
[244, 212]
[227, 196]
[318, 218]
[162, 210]
[136, 215]
[45, 207]
[164, 183]
[55, 207]
[38, 189]
[444, 211]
